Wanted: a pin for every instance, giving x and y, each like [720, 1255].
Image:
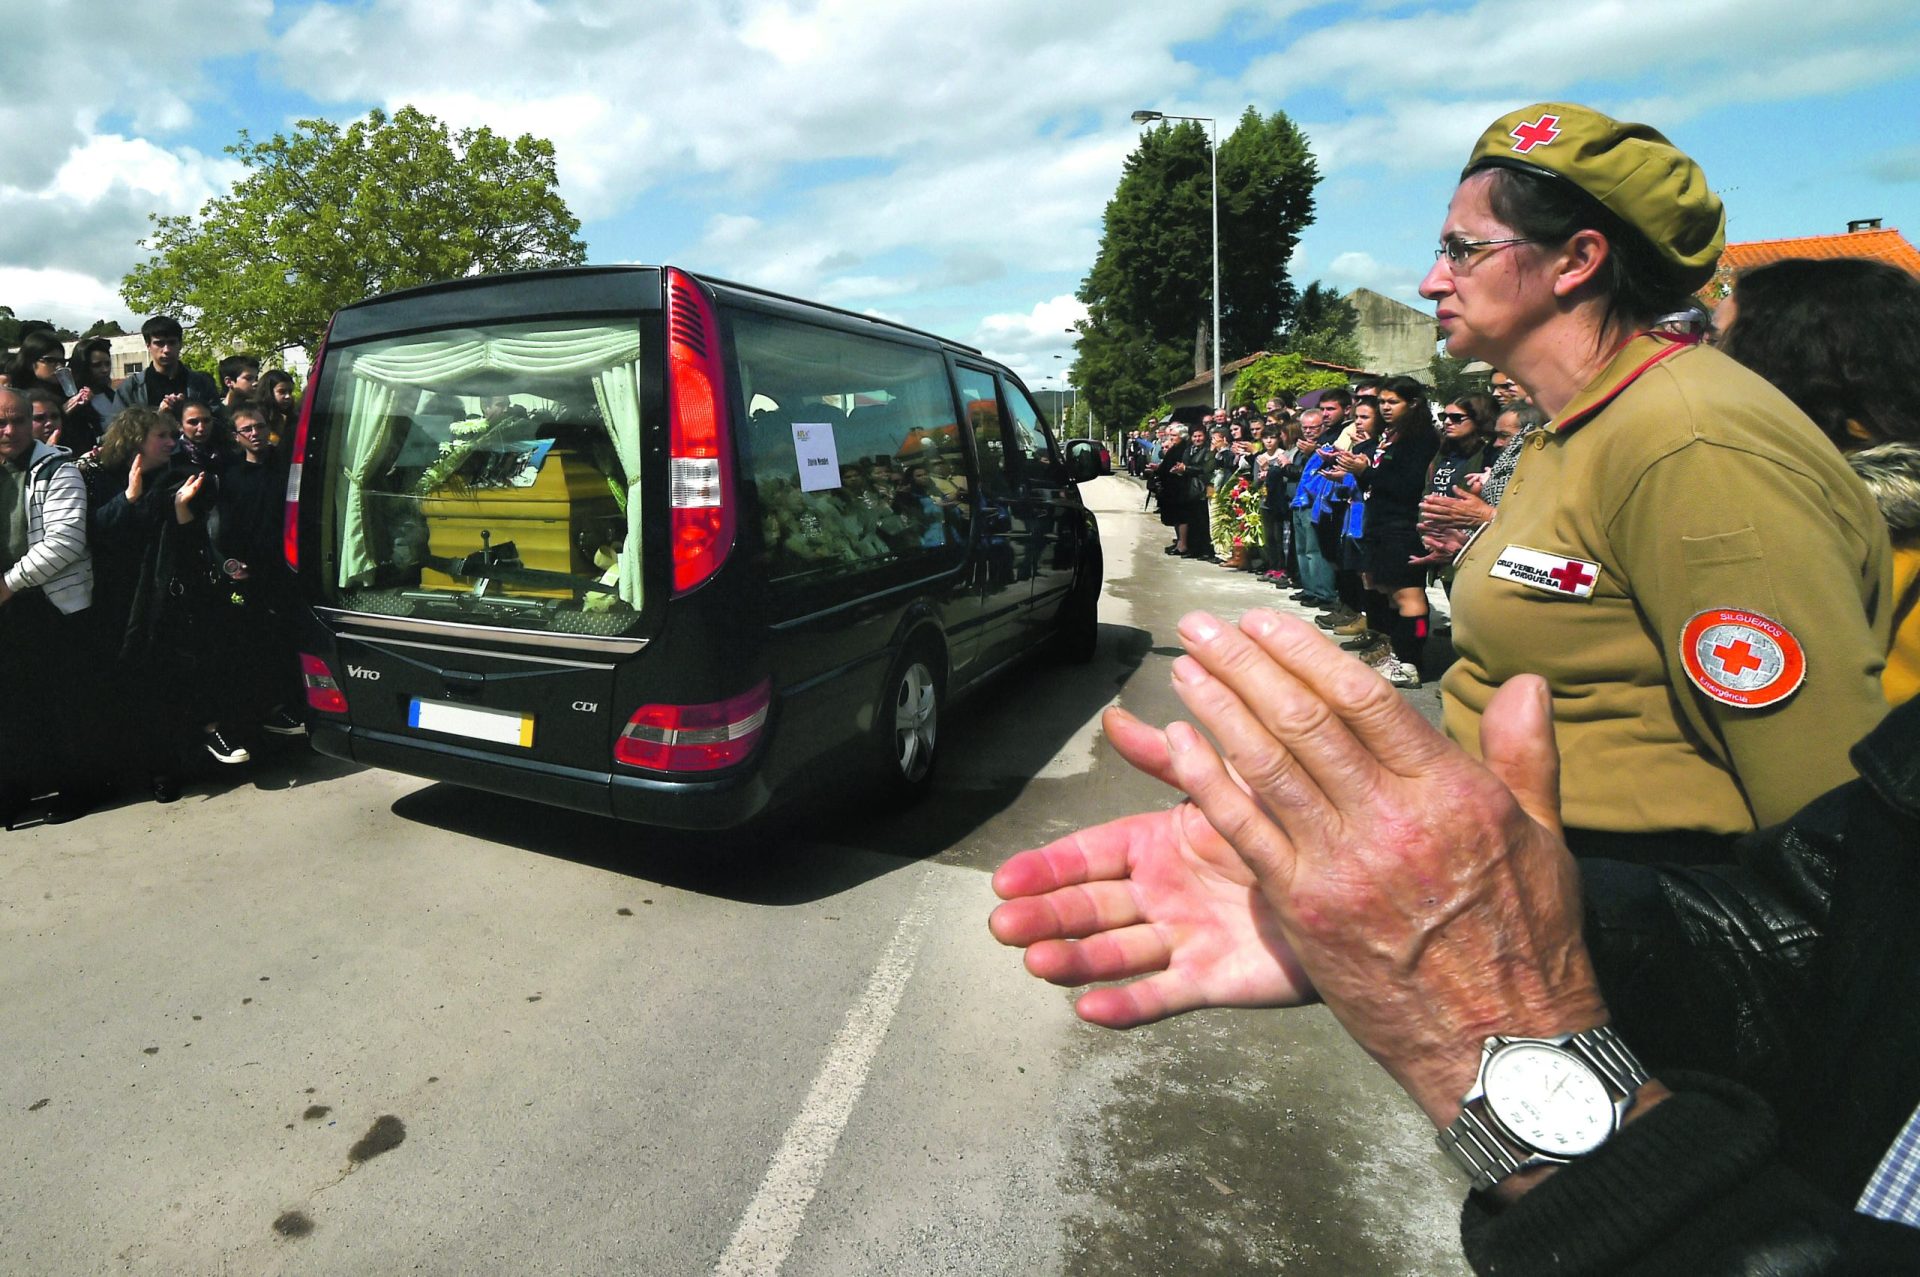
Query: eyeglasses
[15, 419]
[1454, 418]
[1461, 252]
[49, 359]
[44, 418]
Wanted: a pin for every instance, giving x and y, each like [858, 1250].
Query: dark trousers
[48, 696]
[1273, 532]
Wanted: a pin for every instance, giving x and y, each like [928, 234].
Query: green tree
[328, 216]
[1148, 292]
[13, 328]
[1451, 378]
[1267, 176]
[1266, 377]
[1322, 327]
[103, 328]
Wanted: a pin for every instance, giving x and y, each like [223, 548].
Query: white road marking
[771, 1224]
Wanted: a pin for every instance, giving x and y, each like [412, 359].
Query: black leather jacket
[1790, 974]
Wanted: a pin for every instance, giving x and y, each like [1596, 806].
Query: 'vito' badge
[1741, 658]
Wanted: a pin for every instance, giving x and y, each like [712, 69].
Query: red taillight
[695, 738]
[323, 693]
[290, 526]
[699, 452]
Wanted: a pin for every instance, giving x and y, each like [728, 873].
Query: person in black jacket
[157, 606]
[1786, 980]
[1276, 470]
[1466, 444]
[92, 404]
[245, 535]
[1179, 484]
[166, 382]
[1394, 484]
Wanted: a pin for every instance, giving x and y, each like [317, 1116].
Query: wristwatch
[1542, 1102]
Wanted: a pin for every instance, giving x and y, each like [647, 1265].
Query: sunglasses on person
[1454, 418]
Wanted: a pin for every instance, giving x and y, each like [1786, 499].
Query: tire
[1078, 637]
[907, 724]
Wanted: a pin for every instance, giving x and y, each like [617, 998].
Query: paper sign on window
[818, 454]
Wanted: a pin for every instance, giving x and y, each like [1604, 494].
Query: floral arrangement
[469, 437]
[1236, 516]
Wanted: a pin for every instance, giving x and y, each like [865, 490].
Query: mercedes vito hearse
[644, 543]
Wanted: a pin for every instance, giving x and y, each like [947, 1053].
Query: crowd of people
[1655, 882]
[1348, 498]
[144, 615]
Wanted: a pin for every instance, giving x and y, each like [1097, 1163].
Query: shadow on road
[834, 835]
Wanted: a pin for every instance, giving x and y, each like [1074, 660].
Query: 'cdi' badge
[1741, 658]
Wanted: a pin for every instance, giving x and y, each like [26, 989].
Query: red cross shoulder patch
[1742, 658]
[1539, 133]
[1556, 574]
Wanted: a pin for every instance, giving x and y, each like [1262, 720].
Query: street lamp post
[1213, 156]
[1066, 379]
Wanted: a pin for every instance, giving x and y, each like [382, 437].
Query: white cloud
[1027, 342]
[687, 96]
[907, 155]
[84, 105]
[71, 298]
[87, 223]
[936, 224]
[1405, 136]
[1359, 270]
[1410, 113]
[1537, 50]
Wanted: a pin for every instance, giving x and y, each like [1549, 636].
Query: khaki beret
[1632, 170]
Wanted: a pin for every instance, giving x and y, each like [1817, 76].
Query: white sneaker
[225, 750]
[1398, 672]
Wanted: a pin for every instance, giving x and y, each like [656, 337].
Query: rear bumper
[716, 803]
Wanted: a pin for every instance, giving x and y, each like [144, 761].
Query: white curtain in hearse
[609, 355]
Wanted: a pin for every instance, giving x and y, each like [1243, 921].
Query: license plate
[502, 727]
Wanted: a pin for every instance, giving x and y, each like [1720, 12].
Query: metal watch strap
[1610, 1058]
[1489, 1155]
[1478, 1150]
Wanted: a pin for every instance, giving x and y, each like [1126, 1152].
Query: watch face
[1549, 1099]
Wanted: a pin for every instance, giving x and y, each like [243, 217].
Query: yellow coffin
[545, 521]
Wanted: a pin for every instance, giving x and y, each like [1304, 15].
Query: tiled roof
[1886, 245]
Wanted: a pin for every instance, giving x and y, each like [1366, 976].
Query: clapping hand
[1427, 898]
[1158, 900]
[1461, 510]
[183, 497]
[1443, 545]
[1430, 898]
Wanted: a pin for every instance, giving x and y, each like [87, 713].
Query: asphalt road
[319, 1020]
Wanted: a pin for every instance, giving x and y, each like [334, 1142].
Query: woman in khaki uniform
[1683, 556]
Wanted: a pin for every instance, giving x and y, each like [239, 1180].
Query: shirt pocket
[1728, 570]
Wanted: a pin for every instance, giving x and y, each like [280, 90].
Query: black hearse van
[639, 542]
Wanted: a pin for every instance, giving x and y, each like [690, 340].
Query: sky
[945, 165]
